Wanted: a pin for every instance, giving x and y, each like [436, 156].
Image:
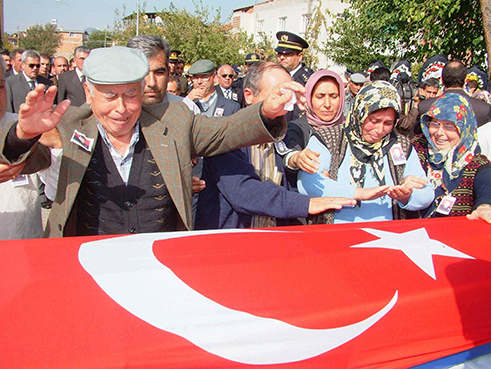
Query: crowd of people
[121, 140]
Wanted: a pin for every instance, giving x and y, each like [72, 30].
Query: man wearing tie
[225, 78]
[19, 85]
[70, 84]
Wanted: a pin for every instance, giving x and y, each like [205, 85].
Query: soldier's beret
[202, 66]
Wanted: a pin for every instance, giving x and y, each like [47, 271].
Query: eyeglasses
[227, 75]
[32, 66]
[446, 126]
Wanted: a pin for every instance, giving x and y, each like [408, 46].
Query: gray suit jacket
[70, 87]
[18, 88]
[174, 135]
[229, 107]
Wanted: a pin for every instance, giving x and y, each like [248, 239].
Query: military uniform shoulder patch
[281, 148]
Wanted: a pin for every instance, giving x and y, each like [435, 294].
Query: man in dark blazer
[15, 62]
[453, 77]
[19, 85]
[70, 84]
[204, 95]
[100, 190]
[225, 87]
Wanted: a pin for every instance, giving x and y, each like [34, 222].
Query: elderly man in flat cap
[355, 83]
[126, 168]
[211, 103]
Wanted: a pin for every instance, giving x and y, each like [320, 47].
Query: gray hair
[150, 45]
[255, 73]
[81, 49]
[29, 54]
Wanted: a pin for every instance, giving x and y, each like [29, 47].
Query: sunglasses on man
[227, 75]
[32, 66]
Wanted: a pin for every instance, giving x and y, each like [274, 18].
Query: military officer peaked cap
[289, 42]
[252, 58]
[115, 65]
[174, 56]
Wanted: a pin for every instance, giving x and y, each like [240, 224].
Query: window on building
[236, 22]
[282, 24]
[305, 22]
[260, 25]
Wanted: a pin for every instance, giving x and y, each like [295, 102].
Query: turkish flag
[385, 295]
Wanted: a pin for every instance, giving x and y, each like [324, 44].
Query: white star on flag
[417, 246]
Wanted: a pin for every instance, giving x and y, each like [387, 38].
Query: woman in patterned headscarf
[366, 160]
[450, 154]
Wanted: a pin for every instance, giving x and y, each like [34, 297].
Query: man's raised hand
[37, 114]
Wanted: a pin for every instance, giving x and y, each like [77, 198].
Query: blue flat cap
[115, 66]
[203, 66]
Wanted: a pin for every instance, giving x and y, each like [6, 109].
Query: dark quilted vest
[105, 205]
[464, 192]
[336, 142]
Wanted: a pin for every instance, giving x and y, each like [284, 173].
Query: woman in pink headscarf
[325, 101]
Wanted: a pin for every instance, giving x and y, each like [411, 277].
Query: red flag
[282, 297]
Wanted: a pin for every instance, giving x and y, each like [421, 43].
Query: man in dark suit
[60, 66]
[225, 78]
[70, 84]
[133, 172]
[204, 94]
[290, 55]
[18, 86]
[453, 77]
[16, 62]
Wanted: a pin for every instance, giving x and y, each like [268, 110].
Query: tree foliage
[412, 29]
[198, 35]
[43, 39]
[99, 38]
[317, 23]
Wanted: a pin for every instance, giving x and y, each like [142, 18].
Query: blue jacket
[234, 193]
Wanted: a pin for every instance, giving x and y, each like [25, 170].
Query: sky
[18, 14]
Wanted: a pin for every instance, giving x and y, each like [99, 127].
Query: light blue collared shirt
[123, 162]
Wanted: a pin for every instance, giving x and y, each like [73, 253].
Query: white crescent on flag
[128, 271]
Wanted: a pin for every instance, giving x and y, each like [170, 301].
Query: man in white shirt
[18, 86]
[225, 79]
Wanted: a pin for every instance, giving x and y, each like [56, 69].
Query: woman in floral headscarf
[450, 154]
[366, 160]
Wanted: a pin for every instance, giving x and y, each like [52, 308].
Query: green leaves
[44, 39]
[413, 29]
[198, 35]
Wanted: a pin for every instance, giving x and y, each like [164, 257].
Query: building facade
[69, 41]
[272, 16]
